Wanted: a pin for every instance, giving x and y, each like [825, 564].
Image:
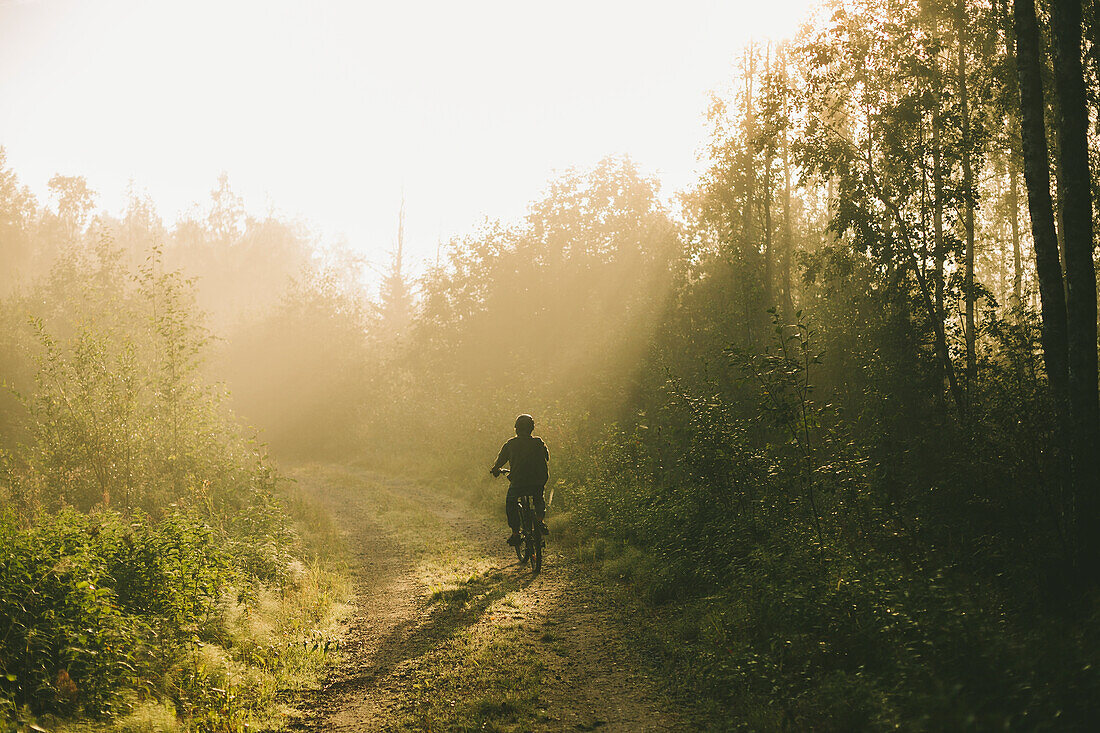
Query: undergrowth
[155, 571]
[795, 584]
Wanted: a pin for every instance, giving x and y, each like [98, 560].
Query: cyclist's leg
[539, 502]
[511, 509]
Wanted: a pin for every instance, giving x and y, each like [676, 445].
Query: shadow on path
[444, 616]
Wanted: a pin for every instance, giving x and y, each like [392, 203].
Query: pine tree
[396, 295]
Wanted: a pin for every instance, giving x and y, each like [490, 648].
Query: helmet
[525, 424]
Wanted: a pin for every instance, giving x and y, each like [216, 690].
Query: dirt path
[449, 633]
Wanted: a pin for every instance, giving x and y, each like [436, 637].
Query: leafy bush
[136, 505]
[813, 590]
[67, 646]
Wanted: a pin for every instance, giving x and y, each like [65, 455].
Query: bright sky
[325, 110]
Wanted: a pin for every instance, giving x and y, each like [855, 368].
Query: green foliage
[136, 512]
[119, 414]
[804, 592]
[66, 646]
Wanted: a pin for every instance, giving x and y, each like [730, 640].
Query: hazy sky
[325, 110]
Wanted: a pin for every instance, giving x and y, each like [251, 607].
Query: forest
[829, 415]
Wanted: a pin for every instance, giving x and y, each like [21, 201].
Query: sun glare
[775, 20]
[328, 111]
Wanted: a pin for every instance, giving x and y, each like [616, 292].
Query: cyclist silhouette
[528, 459]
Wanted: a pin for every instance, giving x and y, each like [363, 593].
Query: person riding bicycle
[528, 459]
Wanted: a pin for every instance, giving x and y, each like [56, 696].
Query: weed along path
[449, 633]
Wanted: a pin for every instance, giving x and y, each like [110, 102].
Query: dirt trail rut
[441, 604]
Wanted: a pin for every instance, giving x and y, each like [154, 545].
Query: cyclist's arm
[502, 458]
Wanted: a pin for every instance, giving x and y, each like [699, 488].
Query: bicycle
[531, 544]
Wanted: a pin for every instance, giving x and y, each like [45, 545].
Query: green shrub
[66, 645]
[823, 572]
[136, 509]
